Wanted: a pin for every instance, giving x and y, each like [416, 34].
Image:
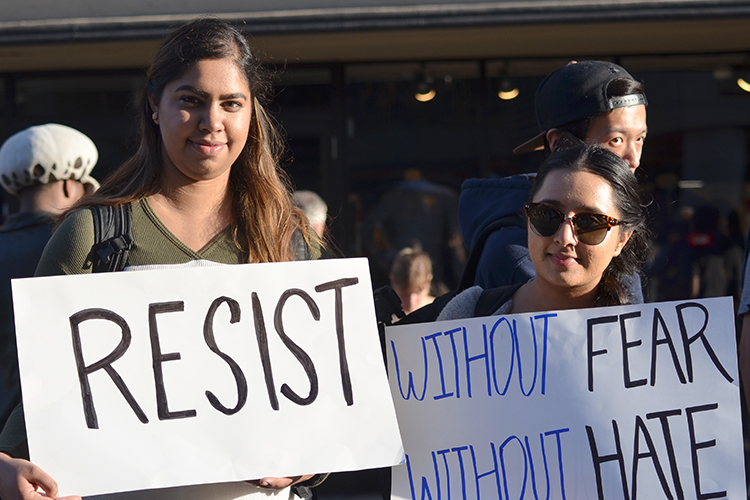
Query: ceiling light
[507, 95]
[425, 91]
[507, 90]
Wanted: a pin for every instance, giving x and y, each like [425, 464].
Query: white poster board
[605, 403]
[153, 379]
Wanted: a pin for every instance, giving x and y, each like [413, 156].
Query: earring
[155, 117]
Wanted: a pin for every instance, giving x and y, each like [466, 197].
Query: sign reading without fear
[199, 375]
[606, 403]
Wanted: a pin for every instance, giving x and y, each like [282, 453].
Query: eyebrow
[204, 95]
[622, 130]
[578, 210]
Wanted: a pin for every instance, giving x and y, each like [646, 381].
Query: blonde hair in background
[412, 269]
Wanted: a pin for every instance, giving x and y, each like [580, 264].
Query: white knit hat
[46, 153]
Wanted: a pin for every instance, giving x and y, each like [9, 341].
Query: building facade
[348, 73]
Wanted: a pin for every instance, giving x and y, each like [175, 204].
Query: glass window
[102, 106]
[390, 128]
[38, 98]
[302, 105]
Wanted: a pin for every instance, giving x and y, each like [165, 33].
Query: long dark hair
[265, 219]
[607, 165]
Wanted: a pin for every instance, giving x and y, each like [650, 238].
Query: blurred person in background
[48, 168]
[314, 208]
[415, 212]
[411, 278]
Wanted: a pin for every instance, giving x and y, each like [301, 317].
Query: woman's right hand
[21, 480]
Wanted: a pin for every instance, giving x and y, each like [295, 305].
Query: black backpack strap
[388, 308]
[491, 299]
[470, 270]
[300, 248]
[113, 237]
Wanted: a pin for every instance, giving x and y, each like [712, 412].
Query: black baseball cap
[574, 92]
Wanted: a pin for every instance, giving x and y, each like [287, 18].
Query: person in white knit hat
[48, 168]
[45, 154]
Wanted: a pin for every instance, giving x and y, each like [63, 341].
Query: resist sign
[606, 403]
[183, 376]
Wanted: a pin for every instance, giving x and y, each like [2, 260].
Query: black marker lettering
[665, 429]
[208, 335]
[337, 285]
[640, 428]
[157, 358]
[659, 321]
[265, 358]
[301, 355]
[694, 447]
[687, 341]
[590, 344]
[599, 460]
[104, 363]
[629, 345]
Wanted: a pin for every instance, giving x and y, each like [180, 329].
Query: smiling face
[562, 263]
[622, 131]
[204, 119]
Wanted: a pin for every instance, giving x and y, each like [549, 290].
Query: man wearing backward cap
[595, 102]
[47, 167]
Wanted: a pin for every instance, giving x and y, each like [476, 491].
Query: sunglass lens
[591, 229]
[545, 220]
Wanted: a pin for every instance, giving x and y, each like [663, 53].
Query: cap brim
[535, 144]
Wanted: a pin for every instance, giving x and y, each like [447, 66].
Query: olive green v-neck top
[69, 251]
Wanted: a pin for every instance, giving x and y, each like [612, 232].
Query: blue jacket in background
[505, 258]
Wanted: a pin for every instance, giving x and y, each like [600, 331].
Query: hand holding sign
[34, 478]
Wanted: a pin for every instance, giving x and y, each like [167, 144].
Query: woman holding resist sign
[586, 233]
[204, 185]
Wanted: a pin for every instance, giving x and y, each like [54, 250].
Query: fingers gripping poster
[606, 403]
[152, 379]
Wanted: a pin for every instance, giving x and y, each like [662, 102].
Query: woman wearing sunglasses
[587, 233]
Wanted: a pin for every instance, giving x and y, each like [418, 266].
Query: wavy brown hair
[265, 218]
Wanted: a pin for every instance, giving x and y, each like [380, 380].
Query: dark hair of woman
[265, 219]
[626, 194]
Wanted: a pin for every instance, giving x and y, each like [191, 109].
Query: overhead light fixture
[425, 85]
[742, 74]
[425, 89]
[733, 80]
[425, 92]
[507, 90]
